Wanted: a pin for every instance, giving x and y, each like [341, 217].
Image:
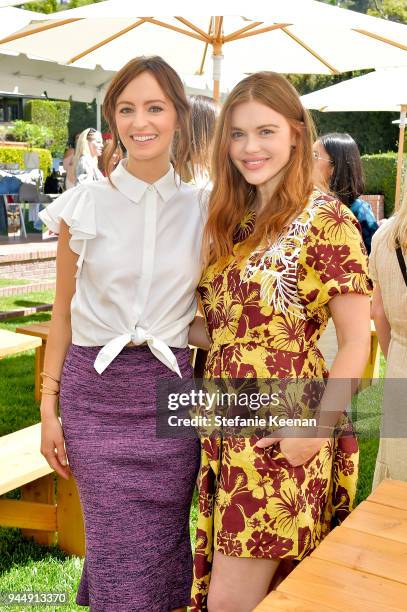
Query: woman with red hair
[281, 258]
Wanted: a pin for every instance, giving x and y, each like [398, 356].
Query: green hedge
[380, 176]
[36, 135]
[15, 155]
[373, 131]
[53, 114]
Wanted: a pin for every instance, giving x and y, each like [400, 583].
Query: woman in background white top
[88, 149]
[132, 240]
[387, 267]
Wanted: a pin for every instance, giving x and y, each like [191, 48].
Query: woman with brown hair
[281, 257]
[128, 265]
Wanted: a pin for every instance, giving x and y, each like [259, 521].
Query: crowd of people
[240, 209]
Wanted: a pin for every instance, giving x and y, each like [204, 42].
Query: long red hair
[231, 195]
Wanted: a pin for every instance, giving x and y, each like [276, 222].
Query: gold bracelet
[55, 391]
[45, 374]
[48, 393]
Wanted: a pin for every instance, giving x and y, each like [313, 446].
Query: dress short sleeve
[333, 258]
[77, 208]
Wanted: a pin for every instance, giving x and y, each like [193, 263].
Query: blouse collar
[134, 189]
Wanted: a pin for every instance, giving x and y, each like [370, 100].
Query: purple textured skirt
[135, 489]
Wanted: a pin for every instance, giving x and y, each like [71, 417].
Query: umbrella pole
[99, 110]
[217, 57]
[400, 155]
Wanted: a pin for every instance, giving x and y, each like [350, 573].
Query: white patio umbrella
[303, 36]
[12, 19]
[22, 75]
[382, 90]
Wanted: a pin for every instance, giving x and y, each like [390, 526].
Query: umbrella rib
[275, 26]
[201, 67]
[48, 26]
[175, 28]
[311, 51]
[236, 34]
[194, 28]
[106, 41]
[381, 38]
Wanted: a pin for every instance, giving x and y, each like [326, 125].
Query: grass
[8, 282]
[26, 566]
[18, 302]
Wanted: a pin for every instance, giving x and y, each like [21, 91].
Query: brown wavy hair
[172, 86]
[231, 195]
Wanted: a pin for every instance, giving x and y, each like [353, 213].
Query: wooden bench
[12, 343]
[360, 566]
[48, 511]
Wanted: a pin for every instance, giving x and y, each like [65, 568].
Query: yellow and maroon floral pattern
[265, 312]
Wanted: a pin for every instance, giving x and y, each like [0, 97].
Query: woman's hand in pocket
[296, 451]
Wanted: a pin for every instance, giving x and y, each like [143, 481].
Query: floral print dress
[265, 312]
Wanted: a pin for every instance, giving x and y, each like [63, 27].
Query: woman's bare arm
[59, 339]
[198, 335]
[382, 325]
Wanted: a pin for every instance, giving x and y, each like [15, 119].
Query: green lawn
[8, 282]
[25, 565]
[19, 302]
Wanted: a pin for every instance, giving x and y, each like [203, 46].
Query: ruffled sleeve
[333, 259]
[77, 208]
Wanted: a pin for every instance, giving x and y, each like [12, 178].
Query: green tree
[75, 3]
[396, 10]
[43, 6]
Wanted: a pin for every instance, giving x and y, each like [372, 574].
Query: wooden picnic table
[12, 343]
[39, 332]
[361, 566]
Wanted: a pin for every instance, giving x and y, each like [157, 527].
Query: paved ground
[21, 246]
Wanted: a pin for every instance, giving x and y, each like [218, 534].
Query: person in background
[204, 113]
[89, 148]
[338, 169]
[68, 163]
[387, 268]
[107, 158]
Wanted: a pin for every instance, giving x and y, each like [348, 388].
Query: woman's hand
[53, 445]
[197, 335]
[297, 451]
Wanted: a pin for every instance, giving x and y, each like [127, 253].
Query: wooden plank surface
[379, 520]
[28, 515]
[343, 588]
[20, 458]
[391, 493]
[281, 602]
[365, 552]
[12, 343]
[39, 330]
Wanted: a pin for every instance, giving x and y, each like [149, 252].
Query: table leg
[39, 366]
